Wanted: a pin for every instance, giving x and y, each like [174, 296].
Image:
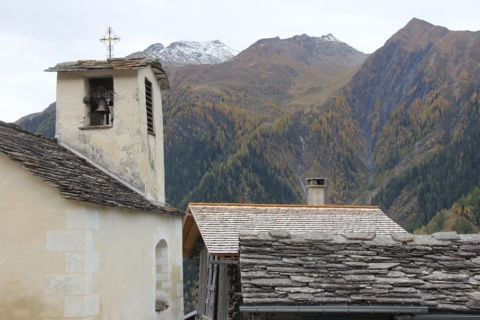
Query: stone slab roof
[219, 224]
[74, 176]
[441, 271]
[116, 64]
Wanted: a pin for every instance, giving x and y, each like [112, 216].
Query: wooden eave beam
[190, 240]
[225, 256]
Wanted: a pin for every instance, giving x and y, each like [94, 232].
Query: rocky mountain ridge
[181, 53]
[293, 73]
[310, 50]
[252, 128]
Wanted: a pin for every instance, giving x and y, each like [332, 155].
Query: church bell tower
[110, 112]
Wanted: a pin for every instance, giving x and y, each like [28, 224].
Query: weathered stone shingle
[116, 64]
[74, 176]
[219, 225]
[430, 271]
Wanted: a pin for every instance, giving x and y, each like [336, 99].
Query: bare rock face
[311, 51]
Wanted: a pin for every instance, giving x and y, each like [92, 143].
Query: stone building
[362, 275]
[86, 231]
[210, 237]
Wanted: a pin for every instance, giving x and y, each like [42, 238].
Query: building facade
[86, 231]
[211, 238]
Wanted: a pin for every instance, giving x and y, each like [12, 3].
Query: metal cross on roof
[109, 39]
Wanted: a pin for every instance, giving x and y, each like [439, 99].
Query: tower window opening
[101, 101]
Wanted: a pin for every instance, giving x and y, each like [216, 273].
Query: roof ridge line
[206, 204]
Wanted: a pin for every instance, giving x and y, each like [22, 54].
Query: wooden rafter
[191, 238]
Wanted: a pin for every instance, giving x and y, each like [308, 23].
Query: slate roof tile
[219, 224]
[115, 64]
[448, 286]
[74, 176]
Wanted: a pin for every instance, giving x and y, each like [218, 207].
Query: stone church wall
[65, 259]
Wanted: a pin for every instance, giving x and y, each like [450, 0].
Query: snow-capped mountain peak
[182, 53]
[329, 37]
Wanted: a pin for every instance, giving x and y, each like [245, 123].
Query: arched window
[163, 279]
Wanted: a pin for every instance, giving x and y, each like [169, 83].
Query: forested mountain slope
[236, 131]
[292, 73]
[246, 130]
[400, 130]
[416, 101]
[42, 122]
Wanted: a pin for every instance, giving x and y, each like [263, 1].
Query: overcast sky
[35, 35]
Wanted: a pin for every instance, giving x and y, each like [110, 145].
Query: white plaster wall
[126, 242]
[316, 195]
[64, 259]
[156, 176]
[124, 149]
[29, 208]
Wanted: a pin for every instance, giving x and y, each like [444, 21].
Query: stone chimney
[316, 191]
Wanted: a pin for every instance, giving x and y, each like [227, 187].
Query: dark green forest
[43, 122]
[217, 152]
[445, 176]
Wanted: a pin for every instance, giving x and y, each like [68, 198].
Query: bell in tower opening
[101, 97]
[110, 111]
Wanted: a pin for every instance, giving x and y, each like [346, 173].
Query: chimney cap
[317, 181]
